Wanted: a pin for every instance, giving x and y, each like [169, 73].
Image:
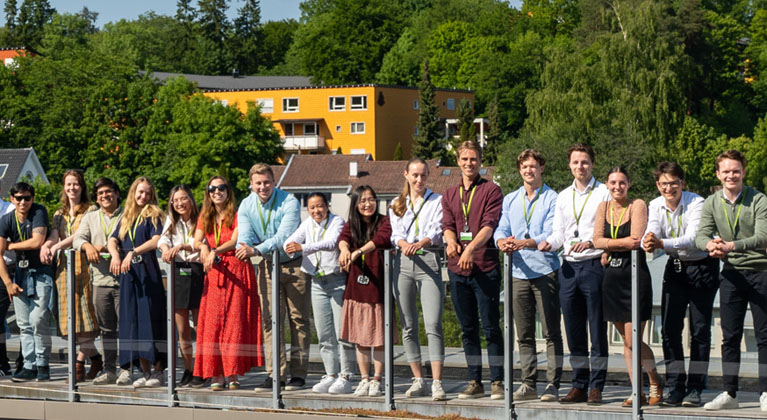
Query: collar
[426, 194]
[683, 201]
[475, 183]
[322, 223]
[592, 183]
[737, 197]
[117, 211]
[266, 203]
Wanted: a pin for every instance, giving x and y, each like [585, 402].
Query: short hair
[530, 154]
[469, 145]
[581, 147]
[105, 182]
[260, 169]
[668, 168]
[22, 187]
[731, 154]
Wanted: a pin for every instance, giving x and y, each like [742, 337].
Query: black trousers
[740, 288]
[695, 287]
[5, 303]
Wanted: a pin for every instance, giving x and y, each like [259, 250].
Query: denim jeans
[34, 316]
[327, 305]
[479, 294]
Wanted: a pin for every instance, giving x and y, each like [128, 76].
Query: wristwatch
[591, 244]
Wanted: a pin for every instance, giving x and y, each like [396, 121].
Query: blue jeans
[327, 306]
[479, 293]
[34, 316]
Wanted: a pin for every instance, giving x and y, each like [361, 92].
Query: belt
[702, 261]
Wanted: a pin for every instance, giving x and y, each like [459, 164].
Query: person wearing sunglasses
[31, 285]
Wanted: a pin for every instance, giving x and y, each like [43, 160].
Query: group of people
[335, 269]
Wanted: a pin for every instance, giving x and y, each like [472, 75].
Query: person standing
[316, 240]
[266, 218]
[580, 278]
[534, 274]
[91, 237]
[31, 286]
[733, 228]
[416, 221]
[690, 279]
[5, 301]
[470, 214]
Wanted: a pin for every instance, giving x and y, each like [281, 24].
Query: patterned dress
[229, 340]
[85, 314]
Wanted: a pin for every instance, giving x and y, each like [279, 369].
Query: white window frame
[355, 126]
[286, 107]
[315, 128]
[3, 170]
[451, 104]
[334, 106]
[263, 102]
[358, 107]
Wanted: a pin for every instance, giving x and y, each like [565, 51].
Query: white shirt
[564, 229]
[184, 234]
[5, 208]
[429, 223]
[318, 243]
[688, 211]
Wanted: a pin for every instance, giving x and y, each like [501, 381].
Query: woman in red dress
[229, 341]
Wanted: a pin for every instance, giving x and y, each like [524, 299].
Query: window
[445, 172]
[358, 128]
[289, 104]
[450, 103]
[338, 129]
[416, 131]
[267, 105]
[3, 168]
[359, 102]
[483, 171]
[310, 129]
[337, 103]
[416, 105]
[289, 129]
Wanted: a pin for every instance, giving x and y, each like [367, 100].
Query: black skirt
[616, 288]
[189, 284]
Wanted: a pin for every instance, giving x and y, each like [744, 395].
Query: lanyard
[678, 232]
[132, 234]
[70, 224]
[529, 217]
[186, 232]
[733, 226]
[614, 228]
[579, 214]
[322, 236]
[269, 217]
[217, 231]
[22, 237]
[111, 224]
[466, 207]
[416, 213]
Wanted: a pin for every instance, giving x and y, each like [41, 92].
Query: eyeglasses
[220, 187]
[673, 184]
[21, 198]
[183, 199]
[367, 201]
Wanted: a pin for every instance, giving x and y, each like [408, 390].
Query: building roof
[15, 160]
[239, 83]
[320, 171]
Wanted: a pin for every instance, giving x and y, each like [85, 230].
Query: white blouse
[183, 234]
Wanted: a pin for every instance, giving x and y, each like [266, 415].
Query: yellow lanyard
[107, 232]
[529, 217]
[269, 216]
[322, 235]
[578, 215]
[416, 213]
[22, 237]
[217, 228]
[733, 226]
[674, 234]
[132, 235]
[70, 224]
[466, 207]
[614, 228]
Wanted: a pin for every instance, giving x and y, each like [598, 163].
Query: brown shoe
[97, 365]
[629, 402]
[574, 396]
[595, 397]
[656, 394]
[79, 372]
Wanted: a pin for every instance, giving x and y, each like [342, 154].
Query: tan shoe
[656, 394]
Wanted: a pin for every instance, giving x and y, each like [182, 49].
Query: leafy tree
[427, 144]
[276, 38]
[466, 121]
[30, 21]
[493, 136]
[246, 43]
[9, 34]
[214, 30]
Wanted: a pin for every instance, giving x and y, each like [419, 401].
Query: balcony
[310, 142]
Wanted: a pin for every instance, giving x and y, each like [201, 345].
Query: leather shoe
[574, 396]
[595, 397]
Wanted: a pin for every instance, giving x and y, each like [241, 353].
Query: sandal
[234, 385]
[216, 386]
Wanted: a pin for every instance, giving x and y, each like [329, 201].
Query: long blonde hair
[132, 210]
[399, 206]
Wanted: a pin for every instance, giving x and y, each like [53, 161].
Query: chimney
[353, 169]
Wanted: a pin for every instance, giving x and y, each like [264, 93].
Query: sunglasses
[21, 198]
[220, 187]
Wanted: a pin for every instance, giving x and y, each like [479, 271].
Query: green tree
[397, 152]
[246, 43]
[30, 22]
[276, 38]
[466, 127]
[8, 37]
[427, 143]
[493, 137]
[214, 31]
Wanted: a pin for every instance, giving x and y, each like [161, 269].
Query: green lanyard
[733, 226]
[466, 207]
[269, 217]
[579, 214]
[416, 213]
[70, 224]
[322, 236]
[671, 225]
[104, 225]
[614, 228]
[529, 217]
[217, 231]
[139, 219]
[22, 237]
[186, 232]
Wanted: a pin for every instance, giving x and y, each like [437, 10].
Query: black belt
[702, 261]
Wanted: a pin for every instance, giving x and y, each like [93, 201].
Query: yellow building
[358, 119]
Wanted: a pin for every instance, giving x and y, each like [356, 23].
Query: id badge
[185, 271]
[22, 263]
[256, 259]
[363, 279]
[677, 265]
[616, 262]
[137, 259]
[419, 252]
[319, 274]
[466, 236]
[105, 255]
[573, 242]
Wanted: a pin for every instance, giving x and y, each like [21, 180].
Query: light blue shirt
[281, 214]
[529, 263]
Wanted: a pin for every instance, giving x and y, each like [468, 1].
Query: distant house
[8, 55]
[19, 164]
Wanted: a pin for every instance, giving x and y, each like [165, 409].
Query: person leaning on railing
[416, 221]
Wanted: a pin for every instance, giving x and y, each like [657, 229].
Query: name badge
[466, 236]
[616, 262]
[573, 241]
[137, 259]
[105, 255]
[677, 265]
[419, 252]
[363, 279]
[22, 263]
[256, 259]
[185, 271]
[319, 274]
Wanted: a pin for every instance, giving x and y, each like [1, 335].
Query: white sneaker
[763, 401]
[155, 380]
[141, 382]
[342, 385]
[722, 401]
[324, 386]
[124, 378]
[362, 388]
[437, 393]
[105, 378]
[417, 389]
[374, 389]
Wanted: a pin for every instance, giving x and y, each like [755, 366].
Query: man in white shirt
[691, 278]
[580, 278]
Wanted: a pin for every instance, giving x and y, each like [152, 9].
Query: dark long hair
[194, 211]
[208, 213]
[362, 232]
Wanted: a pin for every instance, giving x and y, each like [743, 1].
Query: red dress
[229, 340]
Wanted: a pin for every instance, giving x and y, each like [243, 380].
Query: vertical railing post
[389, 331]
[171, 328]
[276, 332]
[636, 340]
[71, 325]
[508, 342]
